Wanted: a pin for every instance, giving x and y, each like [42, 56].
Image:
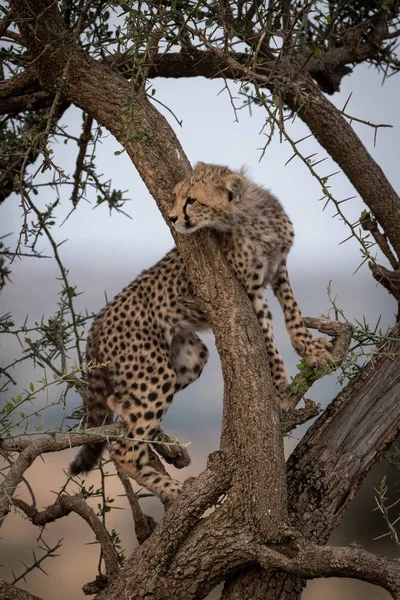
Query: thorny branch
[65, 505]
[29, 449]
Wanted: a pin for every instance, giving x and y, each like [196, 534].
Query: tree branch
[369, 224]
[64, 506]
[30, 448]
[11, 592]
[341, 334]
[312, 561]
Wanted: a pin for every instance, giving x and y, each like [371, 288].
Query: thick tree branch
[327, 467]
[313, 561]
[11, 592]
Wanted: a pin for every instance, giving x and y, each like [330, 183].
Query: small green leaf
[318, 52]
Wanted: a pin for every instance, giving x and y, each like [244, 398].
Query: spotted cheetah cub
[147, 334]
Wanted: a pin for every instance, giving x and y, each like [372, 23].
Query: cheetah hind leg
[189, 356]
[134, 458]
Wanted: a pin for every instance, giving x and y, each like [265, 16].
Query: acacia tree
[268, 535]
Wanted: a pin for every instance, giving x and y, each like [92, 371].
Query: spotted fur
[147, 334]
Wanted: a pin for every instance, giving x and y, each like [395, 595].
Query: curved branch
[29, 449]
[314, 561]
[63, 507]
[341, 334]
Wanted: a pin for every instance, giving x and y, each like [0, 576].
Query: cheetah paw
[317, 353]
[174, 454]
[282, 397]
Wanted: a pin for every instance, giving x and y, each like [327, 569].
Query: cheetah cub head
[210, 197]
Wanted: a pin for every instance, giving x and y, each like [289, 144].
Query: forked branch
[64, 506]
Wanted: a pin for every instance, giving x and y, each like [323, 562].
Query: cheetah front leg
[315, 351]
[276, 363]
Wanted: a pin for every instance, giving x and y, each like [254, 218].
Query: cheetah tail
[97, 414]
[87, 458]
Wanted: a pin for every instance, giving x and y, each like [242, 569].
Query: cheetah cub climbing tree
[146, 334]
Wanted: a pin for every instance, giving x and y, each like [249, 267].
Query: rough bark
[329, 464]
[10, 592]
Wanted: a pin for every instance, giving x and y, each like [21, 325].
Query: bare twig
[48, 553]
[368, 223]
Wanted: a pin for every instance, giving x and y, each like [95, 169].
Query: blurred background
[103, 254]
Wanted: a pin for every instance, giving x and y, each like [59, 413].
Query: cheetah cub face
[210, 197]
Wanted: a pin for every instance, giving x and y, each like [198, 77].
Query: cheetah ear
[235, 185]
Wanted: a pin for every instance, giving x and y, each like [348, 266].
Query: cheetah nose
[173, 219]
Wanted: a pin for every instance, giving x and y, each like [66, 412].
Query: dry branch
[64, 506]
[313, 561]
[29, 448]
[341, 334]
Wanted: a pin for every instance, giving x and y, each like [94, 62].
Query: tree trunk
[329, 464]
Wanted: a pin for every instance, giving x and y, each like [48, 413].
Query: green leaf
[318, 52]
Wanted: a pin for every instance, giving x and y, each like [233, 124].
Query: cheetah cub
[146, 335]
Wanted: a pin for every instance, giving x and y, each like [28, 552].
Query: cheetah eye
[230, 196]
[190, 200]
